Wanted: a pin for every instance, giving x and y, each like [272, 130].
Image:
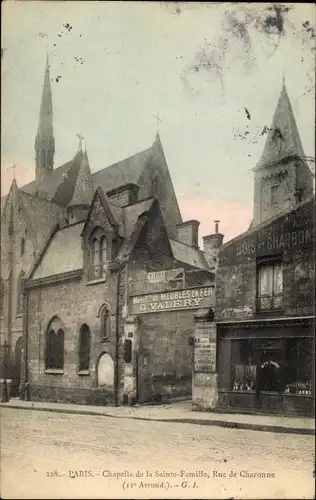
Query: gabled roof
[65, 190]
[115, 217]
[127, 171]
[59, 185]
[283, 138]
[52, 182]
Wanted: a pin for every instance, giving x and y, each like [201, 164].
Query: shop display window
[244, 368]
[298, 367]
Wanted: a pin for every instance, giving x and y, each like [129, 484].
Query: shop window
[270, 286]
[84, 348]
[98, 252]
[298, 366]
[19, 304]
[244, 369]
[54, 352]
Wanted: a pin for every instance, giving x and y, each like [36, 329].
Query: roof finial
[283, 80]
[80, 137]
[13, 167]
[158, 120]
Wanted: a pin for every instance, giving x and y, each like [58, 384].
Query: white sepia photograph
[157, 315]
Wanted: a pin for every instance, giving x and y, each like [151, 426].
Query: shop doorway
[269, 379]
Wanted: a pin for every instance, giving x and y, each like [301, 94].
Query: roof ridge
[255, 228]
[39, 198]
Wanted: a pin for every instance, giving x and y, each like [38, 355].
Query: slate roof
[60, 183]
[133, 212]
[283, 138]
[63, 253]
[84, 190]
[188, 255]
[127, 171]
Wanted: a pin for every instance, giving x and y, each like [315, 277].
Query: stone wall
[290, 237]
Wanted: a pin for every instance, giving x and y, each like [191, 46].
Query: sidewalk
[177, 411]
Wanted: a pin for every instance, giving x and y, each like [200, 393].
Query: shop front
[267, 367]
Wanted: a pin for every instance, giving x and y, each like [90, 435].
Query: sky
[207, 76]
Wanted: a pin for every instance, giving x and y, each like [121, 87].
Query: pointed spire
[45, 124]
[84, 189]
[44, 141]
[283, 138]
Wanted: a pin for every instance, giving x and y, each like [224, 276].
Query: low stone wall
[77, 395]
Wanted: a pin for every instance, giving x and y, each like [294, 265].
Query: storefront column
[204, 380]
[131, 347]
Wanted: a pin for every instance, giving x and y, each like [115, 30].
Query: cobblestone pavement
[50, 455]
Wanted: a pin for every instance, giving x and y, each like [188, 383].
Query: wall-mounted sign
[156, 277]
[205, 347]
[192, 298]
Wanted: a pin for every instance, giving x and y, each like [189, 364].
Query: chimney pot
[216, 226]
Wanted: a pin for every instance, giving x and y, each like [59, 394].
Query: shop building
[265, 314]
[261, 357]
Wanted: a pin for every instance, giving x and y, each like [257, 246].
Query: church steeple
[282, 177]
[283, 140]
[44, 141]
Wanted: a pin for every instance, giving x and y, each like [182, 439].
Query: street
[51, 455]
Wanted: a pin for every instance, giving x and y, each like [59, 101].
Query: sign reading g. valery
[190, 298]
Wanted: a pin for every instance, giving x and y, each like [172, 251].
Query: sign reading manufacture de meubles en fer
[205, 347]
[191, 298]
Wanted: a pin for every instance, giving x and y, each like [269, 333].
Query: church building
[100, 278]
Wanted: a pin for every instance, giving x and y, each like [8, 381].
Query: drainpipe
[117, 343]
[26, 342]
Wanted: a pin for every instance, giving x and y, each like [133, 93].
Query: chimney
[212, 242]
[188, 233]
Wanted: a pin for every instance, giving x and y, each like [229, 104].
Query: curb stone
[195, 421]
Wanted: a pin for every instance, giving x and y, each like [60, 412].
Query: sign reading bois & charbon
[205, 347]
[192, 298]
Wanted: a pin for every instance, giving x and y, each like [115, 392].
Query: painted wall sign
[192, 298]
[275, 241]
[205, 347]
[291, 232]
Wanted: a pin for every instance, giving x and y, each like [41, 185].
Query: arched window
[54, 349]
[51, 350]
[84, 348]
[103, 252]
[22, 246]
[19, 305]
[60, 349]
[1, 297]
[98, 254]
[105, 326]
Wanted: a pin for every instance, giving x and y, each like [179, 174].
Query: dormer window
[98, 254]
